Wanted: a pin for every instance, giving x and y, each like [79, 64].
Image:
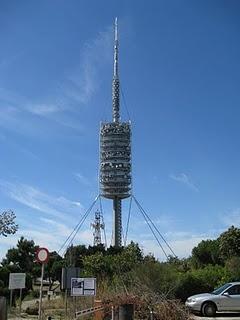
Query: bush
[214, 276]
[32, 311]
[233, 268]
[159, 277]
[189, 285]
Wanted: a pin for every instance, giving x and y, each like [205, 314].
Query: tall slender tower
[115, 153]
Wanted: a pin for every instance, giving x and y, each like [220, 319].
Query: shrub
[214, 276]
[189, 285]
[33, 311]
[233, 268]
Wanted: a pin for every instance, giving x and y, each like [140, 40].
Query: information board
[83, 287]
[17, 281]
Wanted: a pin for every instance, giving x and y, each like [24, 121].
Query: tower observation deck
[115, 153]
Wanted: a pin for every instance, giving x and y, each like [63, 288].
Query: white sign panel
[83, 287]
[17, 280]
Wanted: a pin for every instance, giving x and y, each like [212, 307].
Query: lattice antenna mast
[97, 226]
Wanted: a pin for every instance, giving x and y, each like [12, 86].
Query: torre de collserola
[115, 153]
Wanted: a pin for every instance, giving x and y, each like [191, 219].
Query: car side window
[234, 290]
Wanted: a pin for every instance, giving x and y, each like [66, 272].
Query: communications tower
[115, 153]
[97, 226]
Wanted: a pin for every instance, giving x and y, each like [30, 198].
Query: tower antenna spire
[115, 71]
[115, 81]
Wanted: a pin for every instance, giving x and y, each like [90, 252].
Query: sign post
[16, 281]
[42, 256]
[83, 287]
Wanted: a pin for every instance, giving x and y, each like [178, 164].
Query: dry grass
[56, 307]
[163, 309]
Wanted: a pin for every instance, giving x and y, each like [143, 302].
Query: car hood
[202, 295]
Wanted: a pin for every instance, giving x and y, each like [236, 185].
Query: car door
[230, 299]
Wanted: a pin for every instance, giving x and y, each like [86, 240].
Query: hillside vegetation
[128, 272]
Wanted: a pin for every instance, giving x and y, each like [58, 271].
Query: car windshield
[221, 289]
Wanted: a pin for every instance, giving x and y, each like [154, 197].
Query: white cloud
[79, 85]
[181, 243]
[49, 233]
[82, 179]
[34, 198]
[231, 218]
[44, 109]
[83, 83]
[185, 179]
[59, 228]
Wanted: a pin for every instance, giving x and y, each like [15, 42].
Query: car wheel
[209, 309]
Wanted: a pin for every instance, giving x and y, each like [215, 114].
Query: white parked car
[225, 298]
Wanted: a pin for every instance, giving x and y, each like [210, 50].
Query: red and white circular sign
[42, 255]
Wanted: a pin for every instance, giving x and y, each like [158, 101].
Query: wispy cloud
[79, 85]
[15, 104]
[81, 178]
[83, 83]
[181, 242]
[231, 218]
[44, 109]
[184, 179]
[40, 201]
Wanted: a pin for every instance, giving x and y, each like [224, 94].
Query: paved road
[221, 316]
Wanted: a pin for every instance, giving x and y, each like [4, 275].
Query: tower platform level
[115, 159]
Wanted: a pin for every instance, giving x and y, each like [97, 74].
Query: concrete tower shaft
[115, 153]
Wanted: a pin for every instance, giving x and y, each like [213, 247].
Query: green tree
[206, 252]
[22, 256]
[214, 276]
[189, 284]
[233, 268]
[7, 223]
[75, 254]
[97, 265]
[113, 262]
[54, 267]
[229, 243]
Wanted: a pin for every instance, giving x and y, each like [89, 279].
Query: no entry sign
[42, 255]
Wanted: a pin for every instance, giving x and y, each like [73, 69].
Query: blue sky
[180, 75]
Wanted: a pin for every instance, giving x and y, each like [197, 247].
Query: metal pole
[113, 313]
[66, 301]
[20, 305]
[11, 299]
[40, 298]
[151, 314]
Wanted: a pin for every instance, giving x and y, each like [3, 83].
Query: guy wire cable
[101, 210]
[129, 213]
[84, 218]
[151, 228]
[155, 228]
[85, 214]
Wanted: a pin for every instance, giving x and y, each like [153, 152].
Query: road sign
[42, 255]
[83, 287]
[17, 281]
